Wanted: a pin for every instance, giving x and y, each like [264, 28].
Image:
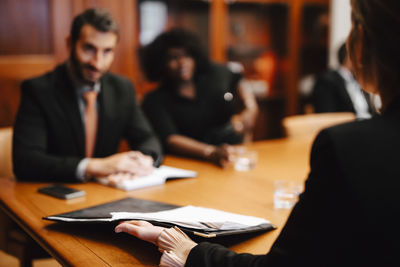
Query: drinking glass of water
[245, 159]
[286, 193]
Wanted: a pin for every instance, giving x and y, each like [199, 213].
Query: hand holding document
[200, 221]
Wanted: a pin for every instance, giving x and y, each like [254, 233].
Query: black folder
[101, 214]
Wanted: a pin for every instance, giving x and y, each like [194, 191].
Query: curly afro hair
[153, 56]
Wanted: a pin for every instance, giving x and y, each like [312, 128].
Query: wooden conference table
[249, 193]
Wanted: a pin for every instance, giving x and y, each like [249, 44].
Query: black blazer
[347, 215]
[329, 94]
[49, 139]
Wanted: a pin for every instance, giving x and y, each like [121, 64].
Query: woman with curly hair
[200, 108]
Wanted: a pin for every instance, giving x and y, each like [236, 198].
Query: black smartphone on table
[61, 191]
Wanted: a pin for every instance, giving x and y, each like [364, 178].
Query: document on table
[157, 177]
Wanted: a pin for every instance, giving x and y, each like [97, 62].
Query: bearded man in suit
[62, 134]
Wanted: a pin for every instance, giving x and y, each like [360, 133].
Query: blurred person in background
[338, 90]
[200, 108]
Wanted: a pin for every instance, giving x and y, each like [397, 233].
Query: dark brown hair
[377, 23]
[100, 18]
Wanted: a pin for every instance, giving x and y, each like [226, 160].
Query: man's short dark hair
[153, 57]
[100, 18]
[342, 53]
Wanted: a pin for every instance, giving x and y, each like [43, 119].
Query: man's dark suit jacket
[347, 215]
[329, 94]
[49, 139]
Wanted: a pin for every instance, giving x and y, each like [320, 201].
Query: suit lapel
[66, 97]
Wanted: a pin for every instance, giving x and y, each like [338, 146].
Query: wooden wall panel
[62, 15]
[218, 24]
[293, 74]
[25, 27]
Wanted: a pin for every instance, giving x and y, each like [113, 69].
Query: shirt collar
[346, 74]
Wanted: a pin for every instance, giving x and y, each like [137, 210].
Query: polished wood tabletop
[243, 192]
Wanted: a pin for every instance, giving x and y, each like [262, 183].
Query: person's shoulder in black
[329, 93]
[45, 83]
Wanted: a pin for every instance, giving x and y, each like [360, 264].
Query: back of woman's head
[153, 56]
[377, 23]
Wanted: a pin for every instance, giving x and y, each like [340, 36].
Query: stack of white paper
[195, 218]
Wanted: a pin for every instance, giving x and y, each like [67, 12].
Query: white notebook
[159, 176]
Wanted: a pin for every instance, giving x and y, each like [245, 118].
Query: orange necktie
[90, 121]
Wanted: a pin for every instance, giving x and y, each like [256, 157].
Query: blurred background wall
[278, 42]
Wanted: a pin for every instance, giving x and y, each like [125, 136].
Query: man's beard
[77, 68]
